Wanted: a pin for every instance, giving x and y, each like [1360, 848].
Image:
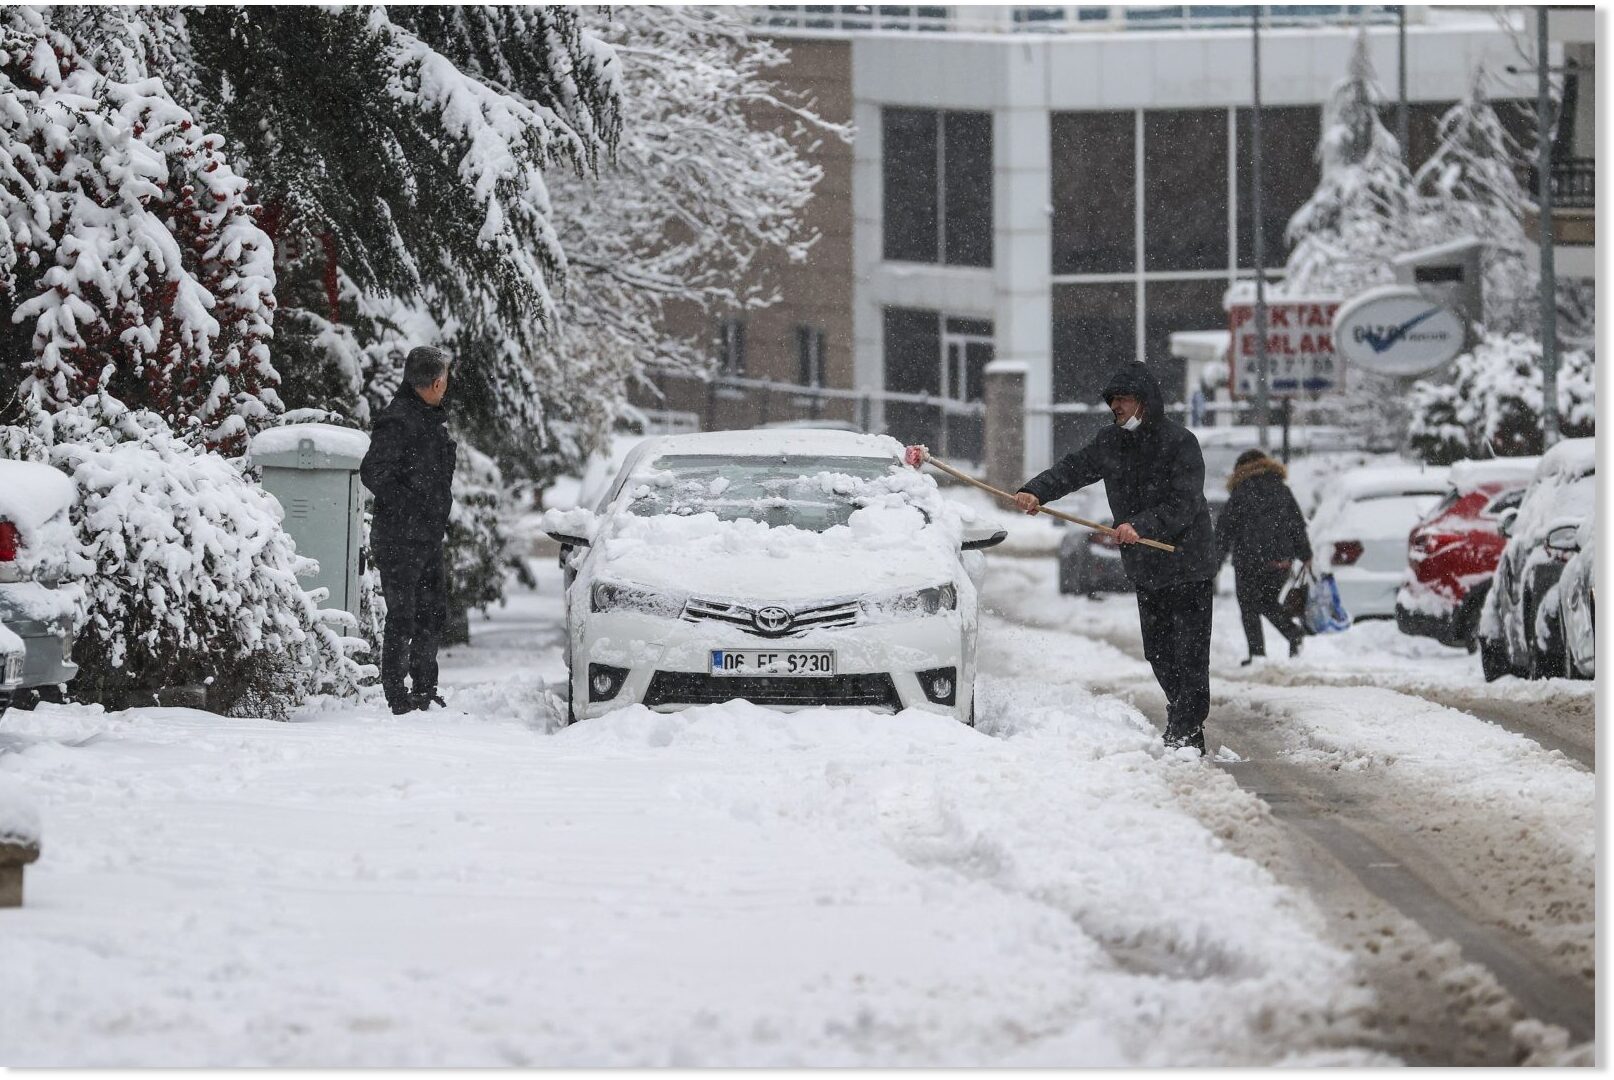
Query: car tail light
[1346, 552]
[8, 542]
[1427, 543]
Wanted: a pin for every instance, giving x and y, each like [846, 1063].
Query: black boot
[425, 699]
[407, 705]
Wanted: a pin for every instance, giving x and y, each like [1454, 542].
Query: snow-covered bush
[476, 547]
[127, 245]
[188, 576]
[1492, 405]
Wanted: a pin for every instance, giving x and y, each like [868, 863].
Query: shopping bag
[1292, 600]
[1325, 612]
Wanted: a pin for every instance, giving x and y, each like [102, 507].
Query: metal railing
[1573, 181]
[1058, 19]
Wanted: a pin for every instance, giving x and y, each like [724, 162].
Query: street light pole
[1549, 283]
[1401, 105]
[1262, 404]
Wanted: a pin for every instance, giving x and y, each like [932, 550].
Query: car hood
[881, 550]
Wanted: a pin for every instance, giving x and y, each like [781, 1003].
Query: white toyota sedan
[790, 568]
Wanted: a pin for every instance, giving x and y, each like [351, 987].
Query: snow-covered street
[737, 886]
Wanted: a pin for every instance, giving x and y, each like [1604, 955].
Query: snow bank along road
[732, 885]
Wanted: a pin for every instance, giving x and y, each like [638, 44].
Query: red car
[1453, 552]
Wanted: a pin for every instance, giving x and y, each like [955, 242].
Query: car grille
[743, 617]
[691, 688]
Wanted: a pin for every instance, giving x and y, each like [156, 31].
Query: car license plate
[817, 663]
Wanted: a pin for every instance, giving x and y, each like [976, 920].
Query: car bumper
[1368, 594]
[48, 651]
[667, 665]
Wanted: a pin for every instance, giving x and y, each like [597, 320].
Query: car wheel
[1493, 659]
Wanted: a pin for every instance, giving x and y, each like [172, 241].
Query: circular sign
[1394, 330]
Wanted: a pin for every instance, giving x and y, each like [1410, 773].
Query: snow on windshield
[803, 492]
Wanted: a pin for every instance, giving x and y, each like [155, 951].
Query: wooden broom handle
[1004, 495]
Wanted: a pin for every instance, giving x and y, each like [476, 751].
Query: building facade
[1058, 188]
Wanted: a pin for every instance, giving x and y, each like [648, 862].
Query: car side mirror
[980, 543]
[566, 540]
[1504, 524]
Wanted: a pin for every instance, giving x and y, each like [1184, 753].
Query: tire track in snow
[1311, 804]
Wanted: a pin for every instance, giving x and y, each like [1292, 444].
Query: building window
[1185, 189]
[1287, 178]
[944, 358]
[1095, 330]
[731, 347]
[1170, 306]
[809, 356]
[1093, 188]
[937, 172]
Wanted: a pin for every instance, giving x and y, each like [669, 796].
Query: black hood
[1135, 379]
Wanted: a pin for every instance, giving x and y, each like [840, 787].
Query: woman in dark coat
[1263, 529]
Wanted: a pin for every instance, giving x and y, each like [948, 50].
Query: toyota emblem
[771, 620]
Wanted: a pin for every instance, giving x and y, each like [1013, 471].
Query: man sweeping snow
[1154, 475]
[410, 470]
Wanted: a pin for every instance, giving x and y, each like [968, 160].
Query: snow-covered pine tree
[1345, 234]
[1470, 186]
[710, 174]
[125, 236]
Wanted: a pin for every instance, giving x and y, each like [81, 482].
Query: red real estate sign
[1300, 347]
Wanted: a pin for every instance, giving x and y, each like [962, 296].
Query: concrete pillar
[14, 855]
[1023, 247]
[1006, 424]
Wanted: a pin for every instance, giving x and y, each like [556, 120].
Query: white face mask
[1132, 423]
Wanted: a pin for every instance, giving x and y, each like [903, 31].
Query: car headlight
[611, 596]
[913, 604]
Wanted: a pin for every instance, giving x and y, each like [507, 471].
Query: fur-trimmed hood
[1259, 467]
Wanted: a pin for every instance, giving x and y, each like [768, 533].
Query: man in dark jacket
[1263, 529]
[410, 470]
[1154, 475]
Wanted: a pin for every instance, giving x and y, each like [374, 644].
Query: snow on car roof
[1516, 471]
[763, 443]
[1374, 480]
[31, 494]
[1569, 456]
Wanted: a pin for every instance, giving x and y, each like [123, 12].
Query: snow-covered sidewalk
[725, 886]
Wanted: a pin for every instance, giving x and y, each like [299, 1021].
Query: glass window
[1095, 329]
[1092, 14]
[1153, 14]
[912, 207]
[1033, 15]
[1185, 189]
[1171, 306]
[967, 188]
[913, 366]
[1423, 128]
[1290, 174]
[1092, 187]
[928, 221]
[731, 347]
[810, 356]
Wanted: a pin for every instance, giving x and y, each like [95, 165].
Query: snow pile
[186, 572]
[19, 820]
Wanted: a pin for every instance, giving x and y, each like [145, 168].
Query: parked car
[1089, 561]
[1359, 532]
[1543, 534]
[35, 534]
[1577, 607]
[787, 567]
[1452, 553]
[13, 654]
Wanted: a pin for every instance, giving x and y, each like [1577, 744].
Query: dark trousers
[1176, 623]
[1257, 586]
[414, 585]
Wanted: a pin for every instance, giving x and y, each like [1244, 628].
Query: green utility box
[313, 470]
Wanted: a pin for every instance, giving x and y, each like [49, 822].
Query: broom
[919, 455]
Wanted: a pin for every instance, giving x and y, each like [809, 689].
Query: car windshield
[807, 492]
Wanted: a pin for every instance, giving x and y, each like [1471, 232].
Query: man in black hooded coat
[1154, 475]
[410, 470]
